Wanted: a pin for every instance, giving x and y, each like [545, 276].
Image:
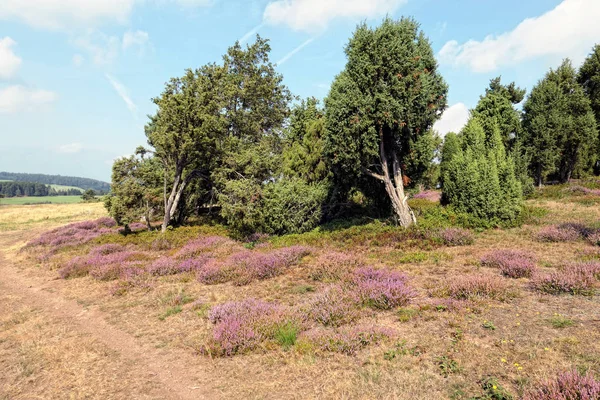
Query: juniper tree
[387, 97]
[560, 131]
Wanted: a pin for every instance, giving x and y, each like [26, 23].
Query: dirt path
[168, 372]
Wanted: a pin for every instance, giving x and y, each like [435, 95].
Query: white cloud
[70, 148]
[123, 93]
[9, 61]
[68, 14]
[62, 14]
[453, 119]
[78, 60]
[19, 98]
[293, 52]
[568, 30]
[102, 49]
[315, 15]
[133, 39]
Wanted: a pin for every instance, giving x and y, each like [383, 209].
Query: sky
[77, 76]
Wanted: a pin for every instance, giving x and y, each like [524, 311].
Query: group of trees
[224, 139]
[20, 189]
[83, 183]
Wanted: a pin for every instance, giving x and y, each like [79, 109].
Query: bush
[381, 289]
[511, 263]
[470, 287]
[560, 233]
[285, 206]
[333, 307]
[567, 386]
[456, 237]
[333, 266]
[240, 326]
[577, 279]
[478, 177]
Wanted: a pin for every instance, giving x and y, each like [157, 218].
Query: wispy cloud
[18, 98]
[9, 61]
[250, 33]
[293, 52]
[70, 148]
[123, 93]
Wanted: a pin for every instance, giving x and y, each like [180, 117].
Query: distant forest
[19, 189]
[84, 183]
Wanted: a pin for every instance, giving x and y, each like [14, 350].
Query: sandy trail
[168, 372]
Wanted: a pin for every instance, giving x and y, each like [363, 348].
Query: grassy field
[62, 187]
[42, 199]
[445, 322]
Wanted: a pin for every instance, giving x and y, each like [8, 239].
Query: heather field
[355, 309]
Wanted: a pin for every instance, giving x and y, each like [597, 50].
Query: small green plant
[415, 257]
[492, 390]
[559, 321]
[489, 325]
[398, 350]
[170, 311]
[447, 365]
[287, 335]
[406, 314]
[302, 289]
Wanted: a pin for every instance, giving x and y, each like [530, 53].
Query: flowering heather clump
[106, 249]
[594, 238]
[562, 233]
[456, 237]
[73, 234]
[203, 245]
[381, 289]
[242, 325]
[100, 266]
[567, 386]
[333, 266]
[169, 266]
[347, 340]
[246, 266]
[430, 195]
[512, 263]
[576, 280]
[110, 272]
[583, 190]
[334, 307]
[471, 287]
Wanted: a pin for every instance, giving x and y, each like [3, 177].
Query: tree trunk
[171, 202]
[394, 187]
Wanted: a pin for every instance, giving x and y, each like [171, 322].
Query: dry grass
[38, 352]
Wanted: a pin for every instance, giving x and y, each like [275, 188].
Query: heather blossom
[569, 385]
[347, 340]
[380, 288]
[511, 263]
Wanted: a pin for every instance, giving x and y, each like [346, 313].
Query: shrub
[281, 207]
[74, 234]
[456, 237]
[100, 266]
[594, 238]
[567, 386]
[246, 266]
[471, 287]
[562, 233]
[242, 325]
[333, 266]
[576, 280]
[477, 175]
[381, 289]
[333, 307]
[512, 263]
[202, 245]
[347, 340]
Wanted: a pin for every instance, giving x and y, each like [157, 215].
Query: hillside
[72, 181]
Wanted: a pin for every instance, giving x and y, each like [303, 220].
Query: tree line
[83, 183]
[226, 139]
[20, 189]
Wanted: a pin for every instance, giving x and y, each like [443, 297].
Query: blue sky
[76, 77]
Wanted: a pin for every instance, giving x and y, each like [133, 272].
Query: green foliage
[589, 79]
[89, 196]
[478, 178]
[284, 206]
[379, 108]
[287, 334]
[136, 189]
[559, 321]
[492, 390]
[560, 130]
